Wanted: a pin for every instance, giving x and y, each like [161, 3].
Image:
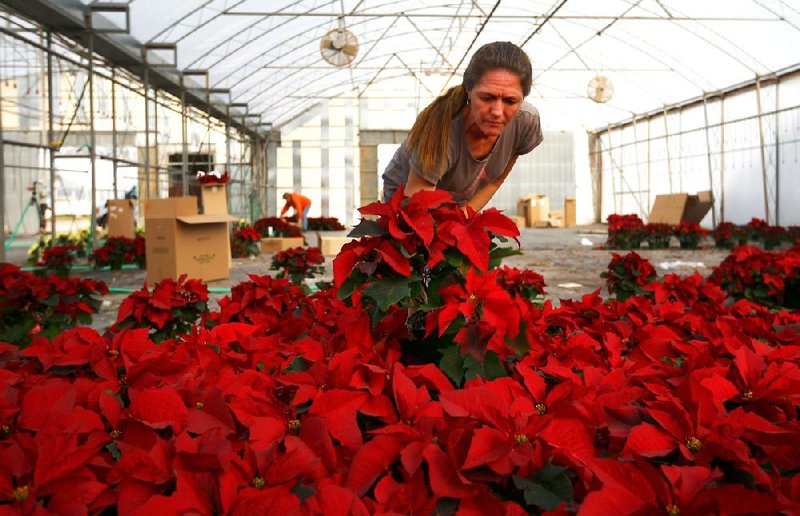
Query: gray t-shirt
[463, 175]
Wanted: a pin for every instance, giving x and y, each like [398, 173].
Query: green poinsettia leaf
[452, 364]
[347, 288]
[492, 367]
[368, 228]
[296, 366]
[388, 292]
[472, 368]
[548, 489]
[498, 254]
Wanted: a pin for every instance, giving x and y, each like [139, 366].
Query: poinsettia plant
[755, 228]
[57, 260]
[213, 178]
[627, 275]
[424, 255]
[245, 242]
[119, 251]
[299, 263]
[276, 227]
[168, 312]
[80, 240]
[678, 402]
[32, 305]
[325, 224]
[760, 276]
[773, 237]
[523, 283]
[625, 231]
[657, 235]
[689, 234]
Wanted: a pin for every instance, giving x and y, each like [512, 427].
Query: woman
[467, 140]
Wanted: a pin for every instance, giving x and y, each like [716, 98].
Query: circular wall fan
[339, 47]
[600, 89]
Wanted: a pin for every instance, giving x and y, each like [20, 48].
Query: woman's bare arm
[416, 182]
[485, 194]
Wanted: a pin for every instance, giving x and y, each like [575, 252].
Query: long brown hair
[430, 135]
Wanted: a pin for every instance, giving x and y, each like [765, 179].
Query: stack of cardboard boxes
[179, 240]
[533, 211]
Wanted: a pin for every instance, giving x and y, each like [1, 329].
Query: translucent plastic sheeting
[655, 52]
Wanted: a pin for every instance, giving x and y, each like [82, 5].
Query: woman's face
[494, 101]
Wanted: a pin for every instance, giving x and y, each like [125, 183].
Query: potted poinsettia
[44, 305]
[435, 262]
[689, 234]
[168, 311]
[772, 237]
[245, 242]
[119, 251]
[657, 235]
[299, 263]
[625, 231]
[325, 224]
[58, 260]
[627, 275]
[760, 276]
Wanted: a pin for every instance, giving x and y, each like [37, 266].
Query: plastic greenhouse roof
[656, 52]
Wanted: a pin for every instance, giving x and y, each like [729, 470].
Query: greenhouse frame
[100, 97]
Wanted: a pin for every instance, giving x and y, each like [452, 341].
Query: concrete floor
[568, 258]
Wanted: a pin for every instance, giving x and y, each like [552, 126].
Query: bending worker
[301, 205]
[468, 139]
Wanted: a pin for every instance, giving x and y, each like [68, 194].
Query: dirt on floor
[569, 259]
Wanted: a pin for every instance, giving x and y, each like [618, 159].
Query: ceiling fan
[600, 89]
[339, 47]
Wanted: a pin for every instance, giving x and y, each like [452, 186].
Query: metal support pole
[146, 80]
[184, 145]
[666, 144]
[636, 157]
[614, 195]
[51, 136]
[777, 154]
[209, 163]
[92, 141]
[649, 165]
[157, 169]
[595, 166]
[2, 180]
[349, 139]
[710, 168]
[114, 133]
[722, 158]
[228, 155]
[763, 153]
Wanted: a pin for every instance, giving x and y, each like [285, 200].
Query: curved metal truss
[266, 55]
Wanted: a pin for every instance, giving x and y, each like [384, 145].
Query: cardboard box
[179, 241]
[680, 207]
[121, 222]
[274, 245]
[697, 206]
[215, 199]
[569, 212]
[534, 208]
[556, 218]
[518, 220]
[331, 246]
